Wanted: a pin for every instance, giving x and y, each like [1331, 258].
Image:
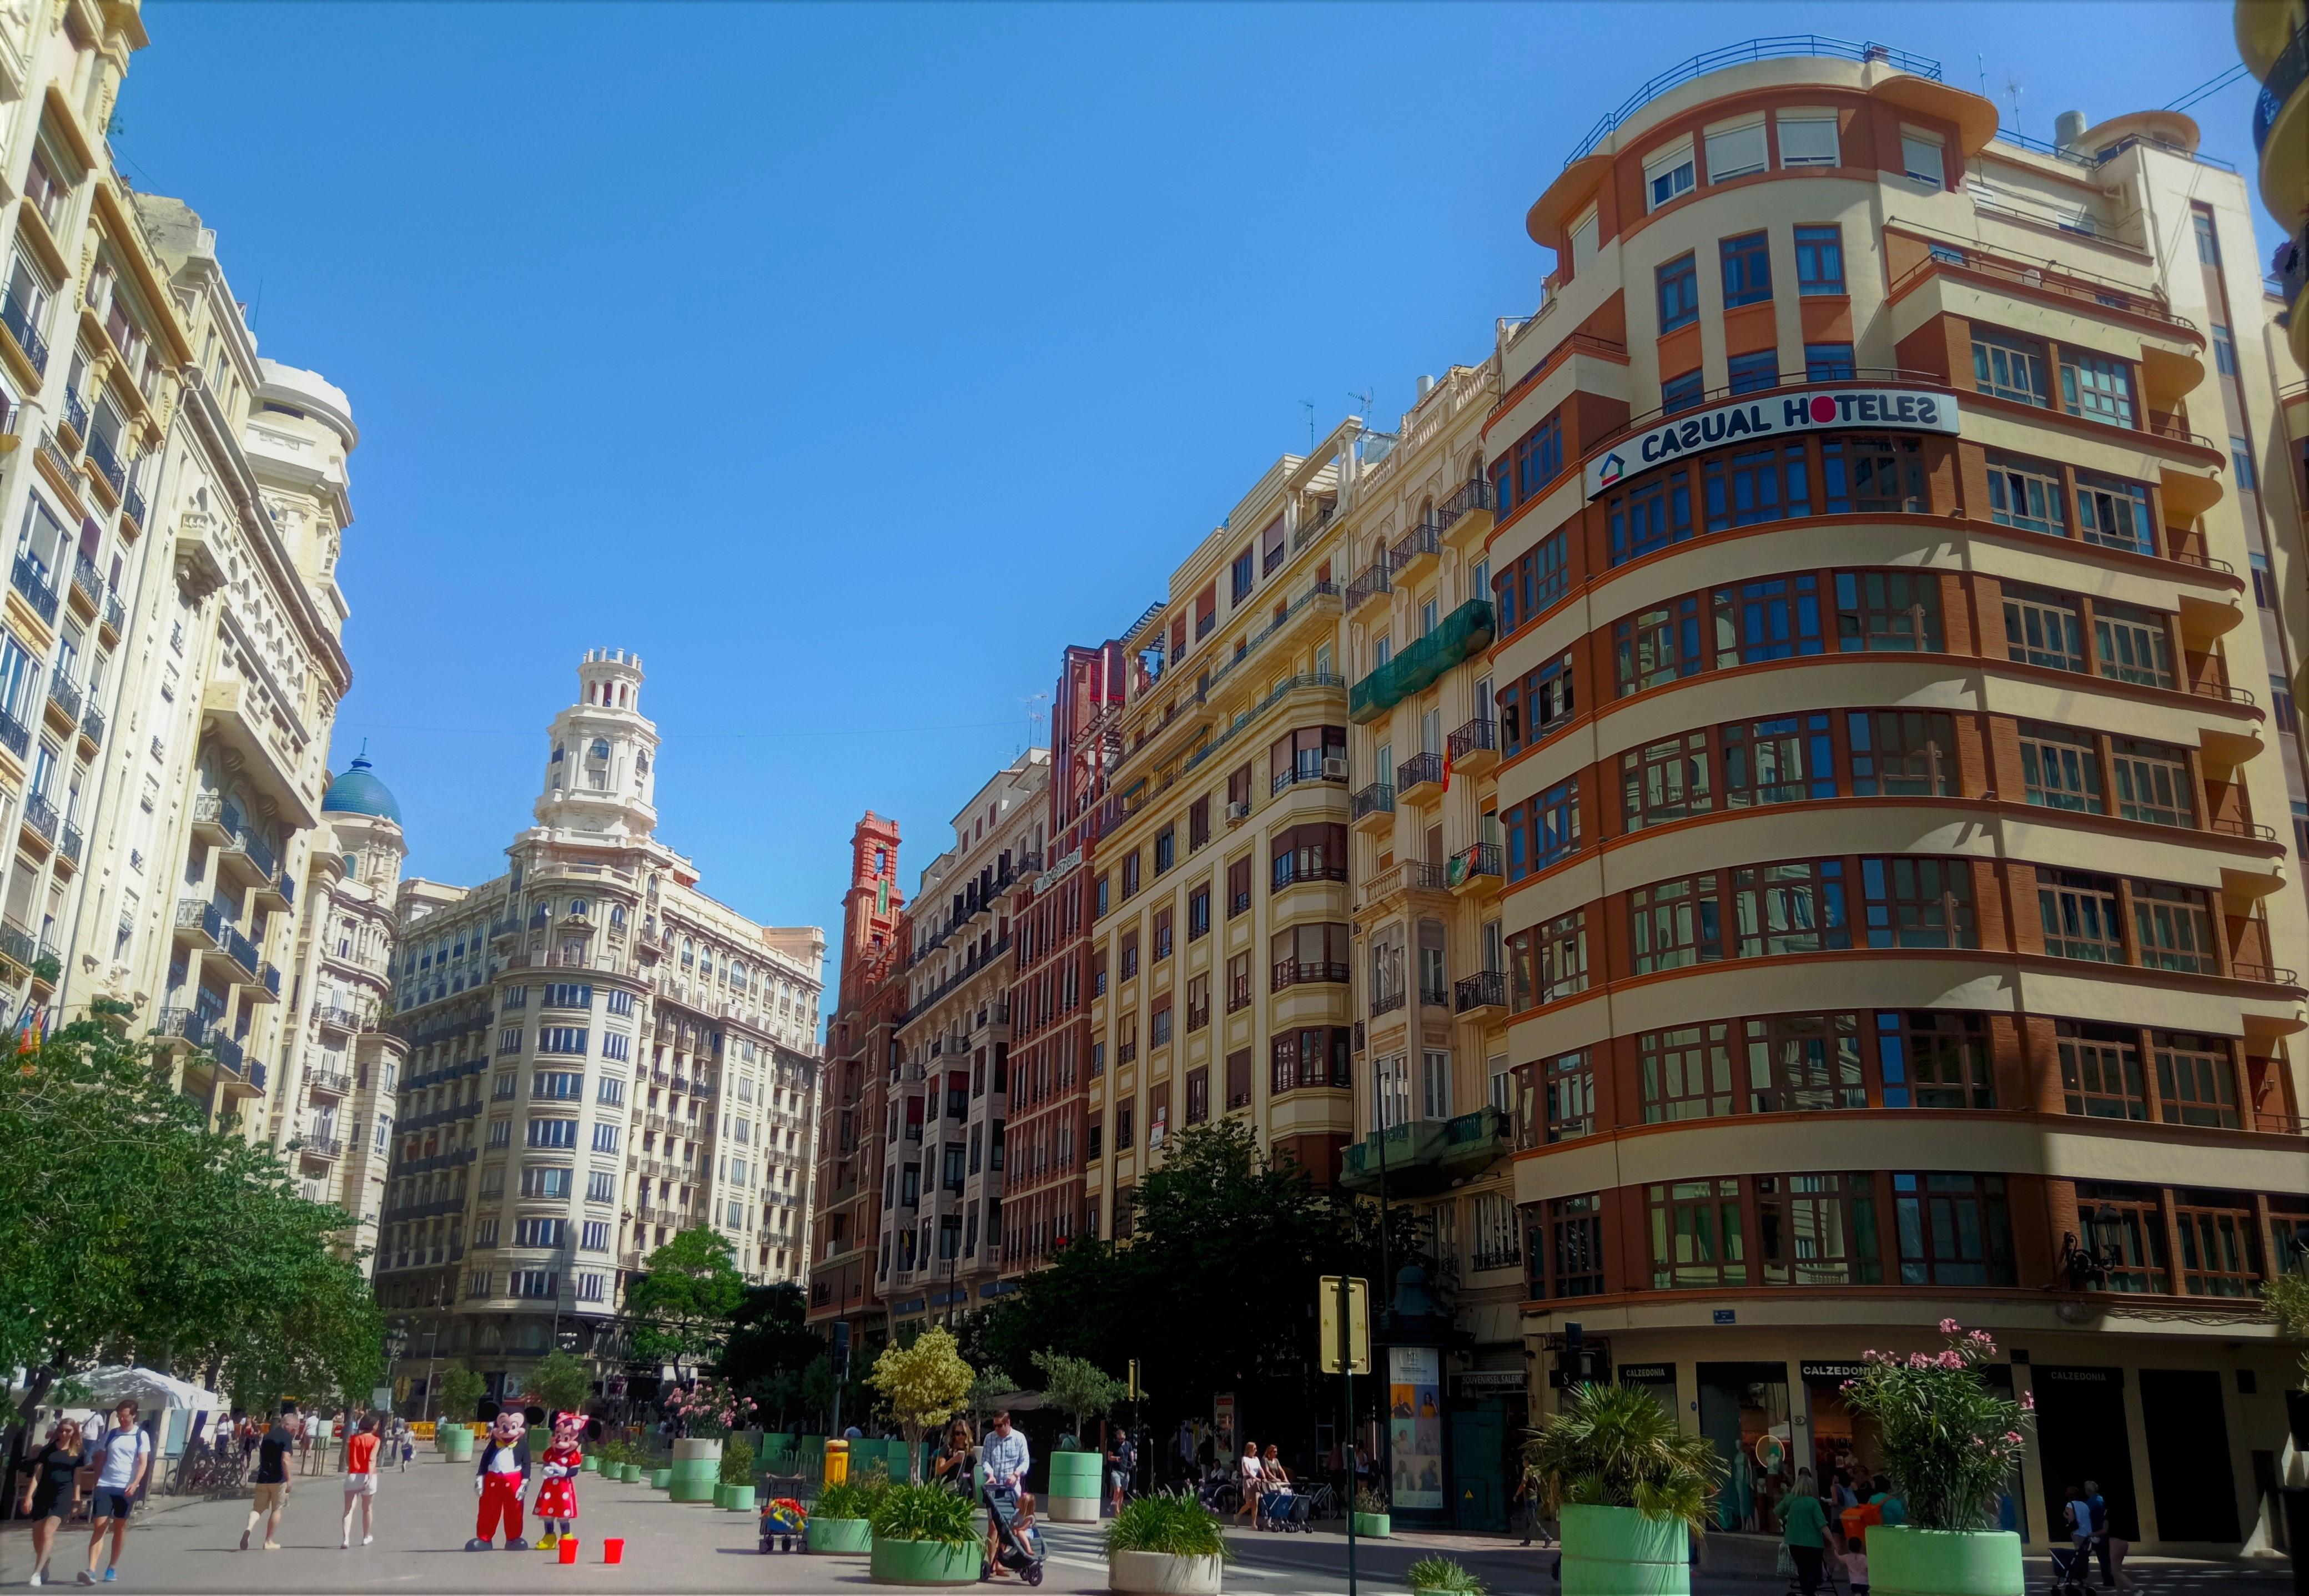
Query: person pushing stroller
[1010, 1540]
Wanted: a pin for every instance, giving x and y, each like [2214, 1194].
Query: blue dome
[358, 792]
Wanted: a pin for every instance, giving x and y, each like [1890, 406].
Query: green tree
[562, 1380]
[768, 1344]
[681, 1307]
[461, 1391]
[923, 1385]
[2286, 1299]
[1080, 1387]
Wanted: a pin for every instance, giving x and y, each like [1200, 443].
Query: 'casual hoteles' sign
[1781, 415]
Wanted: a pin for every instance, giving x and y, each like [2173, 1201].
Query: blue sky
[849, 361]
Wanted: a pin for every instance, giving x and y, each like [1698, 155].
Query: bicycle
[208, 1471]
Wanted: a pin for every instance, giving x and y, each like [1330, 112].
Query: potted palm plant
[1629, 1488]
[924, 1536]
[1440, 1577]
[1949, 1443]
[840, 1519]
[1165, 1546]
[1372, 1516]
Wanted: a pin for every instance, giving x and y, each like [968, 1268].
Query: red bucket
[613, 1549]
[569, 1548]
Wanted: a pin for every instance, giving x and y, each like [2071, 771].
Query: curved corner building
[1896, 757]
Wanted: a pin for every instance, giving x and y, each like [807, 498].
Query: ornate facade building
[600, 1056]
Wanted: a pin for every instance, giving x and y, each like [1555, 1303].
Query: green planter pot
[660, 1479]
[923, 1563]
[591, 1464]
[1074, 1494]
[456, 1443]
[631, 1474]
[739, 1498]
[832, 1536]
[1373, 1524]
[721, 1494]
[696, 1469]
[1617, 1551]
[1906, 1561]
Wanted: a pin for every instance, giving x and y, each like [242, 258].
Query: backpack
[1857, 1521]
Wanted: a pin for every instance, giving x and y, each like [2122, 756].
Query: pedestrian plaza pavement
[425, 1516]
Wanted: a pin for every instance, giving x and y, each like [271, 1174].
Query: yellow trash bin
[837, 1461]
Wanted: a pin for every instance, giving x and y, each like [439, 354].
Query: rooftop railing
[1754, 50]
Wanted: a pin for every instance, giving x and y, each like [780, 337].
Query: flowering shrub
[1950, 1442]
[709, 1408]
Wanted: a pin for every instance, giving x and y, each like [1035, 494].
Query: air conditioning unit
[1334, 770]
[1239, 812]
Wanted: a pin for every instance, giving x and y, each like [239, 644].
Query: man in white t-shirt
[123, 1457]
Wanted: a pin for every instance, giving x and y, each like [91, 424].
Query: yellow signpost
[1343, 1315]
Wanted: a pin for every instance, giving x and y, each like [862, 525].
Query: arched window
[601, 749]
[641, 762]
[618, 916]
[577, 907]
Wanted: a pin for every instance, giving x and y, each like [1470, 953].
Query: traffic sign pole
[1347, 1430]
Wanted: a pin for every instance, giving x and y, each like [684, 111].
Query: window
[2196, 1078]
[537, 1232]
[612, 1092]
[1668, 175]
[1198, 911]
[1673, 924]
[1817, 1230]
[1681, 394]
[560, 1038]
[2208, 249]
[1244, 574]
[2241, 458]
[1935, 1060]
[1686, 1073]
[1749, 373]
[1913, 901]
[2005, 366]
[2139, 1233]
[592, 1286]
[545, 1180]
[1198, 823]
[1679, 293]
[1767, 483]
[1796, 907]
[1660, 782]
[1803, 1062]
[564, 995]
[1567, 1098]
[1161, 935]
[1820, 258]
[1808, 139]
[2113, 513]
[1131, 873]
[2172, 929]
[621, 1002]
[554, 1084]
[601, 1187]
[2152, 781]
[1888, 612]
[2218, 1254]
[500, 1132]
[2281, 704]
[553, 1133]
[2080, 917]
[2061, 767]
[1829, 363]
[1566, 1251]
[2264, 584]
[1695, 1235]
[1783, 760]
[1901, 753]
[616, 1045]
[2043, 628]
[1166, 849]
[2224, 351]
[1954, 1229]
[1129, 956]
[1238, 887]
[1735, 152]
[2024, 494]
[1747, 269]
[605, 1138]
[1864, 473]
[2097, 388]
[1651, 516]
[485, 1233]
[1921, 158]
[2133, 645]
[533, 1282]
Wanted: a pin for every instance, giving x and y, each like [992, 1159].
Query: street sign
[1345, 1320]
[1135, 1392]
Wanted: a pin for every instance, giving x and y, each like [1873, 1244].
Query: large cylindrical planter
[1073, 1492]
[696, 1468]
[590, 1463]
[1158, 1573]
[1906, 1561]
[837, 1535]
[659, 1480]
[923, 1563]
[721, 1494]
[739, 1498]
[631, 1474]
[1377, 1526]
[456, 1443]
[1617, 1551]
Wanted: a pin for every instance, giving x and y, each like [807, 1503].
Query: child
[557, 1498]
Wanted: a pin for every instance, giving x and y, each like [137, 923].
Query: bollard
[613, 1549]
[567, 1549]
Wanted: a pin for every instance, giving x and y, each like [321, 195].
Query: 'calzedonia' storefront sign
[1783, 415]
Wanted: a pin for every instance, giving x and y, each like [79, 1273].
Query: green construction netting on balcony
[1466, 631]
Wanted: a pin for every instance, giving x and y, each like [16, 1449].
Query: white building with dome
[600, 1056]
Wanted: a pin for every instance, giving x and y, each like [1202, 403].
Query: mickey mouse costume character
[557, 1498]
[500, 1480]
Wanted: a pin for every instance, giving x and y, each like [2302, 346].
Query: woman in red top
[360, 1482]
[557, 1498]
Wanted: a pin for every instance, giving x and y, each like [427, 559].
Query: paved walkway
[426, 1513]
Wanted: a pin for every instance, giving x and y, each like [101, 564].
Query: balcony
[1416, 774]
[70, 844]
[1482, 995]
[323, 1147]
[18, 949]
[1464, 633]
[132, 506]
[1475, 747]
[1414, 553]
[40, 816]
[332, 1018]
[107, 465]
[87, 585]
[1474, 869]
[115, 613]
[268, 983]
[199, 922]
[30, 580]
[1370, 584]
[1301, 972]
[75, 418]
[16, 316]
[92, 726]
[1472, 499]
[14, 733]
[1388, 1003]
[330, 1082]
[1426, 1155]
[1401, 879]
[64, 694]
[1375, 803]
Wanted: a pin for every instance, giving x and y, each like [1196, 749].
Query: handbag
[1786, 1561]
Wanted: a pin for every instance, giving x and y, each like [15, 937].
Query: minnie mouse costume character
[500, 1480]
[557, 1498]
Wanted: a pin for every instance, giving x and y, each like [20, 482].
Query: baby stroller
[1018, 1550]
[2070, 1563]
[1284, 1510]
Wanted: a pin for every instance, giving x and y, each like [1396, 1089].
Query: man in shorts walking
[123, 1457]
[360, 1482]
[273, 1451]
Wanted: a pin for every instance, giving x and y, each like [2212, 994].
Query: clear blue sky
[849, 361]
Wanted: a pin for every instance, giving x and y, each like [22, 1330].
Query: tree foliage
[768, 1346]
[924, 1384]
[136, 1231]
[1079, 1387]
[681, 1307]
[2286, 1299]
[562, 1382]
[461, 1391]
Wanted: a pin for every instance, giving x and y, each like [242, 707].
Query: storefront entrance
[2189, 1474]
[2082, 1436]
[1743, 1408]
[1843, 1444]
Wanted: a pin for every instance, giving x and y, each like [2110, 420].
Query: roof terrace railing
[1754, 50]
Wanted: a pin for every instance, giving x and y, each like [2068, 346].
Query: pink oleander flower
[2028, 1400]
[2012, 1436]
[1949, 1327]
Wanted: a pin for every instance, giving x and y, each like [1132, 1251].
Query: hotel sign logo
[1782, 415]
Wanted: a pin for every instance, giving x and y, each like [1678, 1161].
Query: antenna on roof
[1309, 406]
[1363, 400]
[2012, 87]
